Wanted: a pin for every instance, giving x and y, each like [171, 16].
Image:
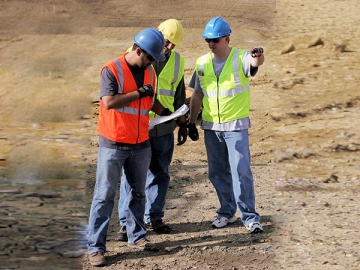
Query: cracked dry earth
[304, 138]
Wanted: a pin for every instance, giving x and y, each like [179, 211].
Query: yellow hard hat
[172, 30]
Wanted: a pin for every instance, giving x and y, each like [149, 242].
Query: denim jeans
[230, 173]
[157, 182]
[110, 162]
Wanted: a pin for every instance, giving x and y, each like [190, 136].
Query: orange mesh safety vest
[128, 124]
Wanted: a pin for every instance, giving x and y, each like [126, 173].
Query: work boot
[144, 244]
[160, 227]
[97, 258]
[122, 235]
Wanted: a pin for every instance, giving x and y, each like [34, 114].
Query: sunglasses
[215, 40]
[148, 56]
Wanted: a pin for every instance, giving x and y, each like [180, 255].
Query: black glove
[193, 132]
[256, 52]
[146, 91]
[182, 133]
[166, 112]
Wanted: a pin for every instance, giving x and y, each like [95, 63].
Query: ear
[138, 51]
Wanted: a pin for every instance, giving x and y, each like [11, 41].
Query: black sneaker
[122, 235]
[160, 227]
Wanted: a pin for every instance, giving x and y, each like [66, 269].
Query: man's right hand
[146, 91]
[256, 52]
[193, 132]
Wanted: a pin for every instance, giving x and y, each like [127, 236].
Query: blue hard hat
[216, 27]
[152, 41]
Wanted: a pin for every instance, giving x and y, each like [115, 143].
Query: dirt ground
[304, 138]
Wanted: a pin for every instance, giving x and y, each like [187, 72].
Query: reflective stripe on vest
[176, 67]
[133, 111]
[227, 97]
[168, 81]
[130, 123]
[120, 76]
[238, 89]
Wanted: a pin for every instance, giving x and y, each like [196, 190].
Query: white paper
[161, 119]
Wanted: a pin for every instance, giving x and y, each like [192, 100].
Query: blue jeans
[157, 182]
[110, 162]
[230, 173]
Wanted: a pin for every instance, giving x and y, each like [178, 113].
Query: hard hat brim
[159, 57]
[176, 42]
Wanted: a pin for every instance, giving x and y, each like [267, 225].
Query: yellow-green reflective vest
[226, 98]
[168, 80]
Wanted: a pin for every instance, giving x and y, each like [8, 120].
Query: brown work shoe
[122, 235]
[144, 244]
[97, 258]
[160, 227]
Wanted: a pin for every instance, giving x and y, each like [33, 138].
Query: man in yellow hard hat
[171, 94]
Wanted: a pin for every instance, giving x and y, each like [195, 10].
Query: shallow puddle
[42, 180]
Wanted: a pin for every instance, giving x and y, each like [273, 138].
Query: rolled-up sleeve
[195, 83]
[108, 83]
[249, 71]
